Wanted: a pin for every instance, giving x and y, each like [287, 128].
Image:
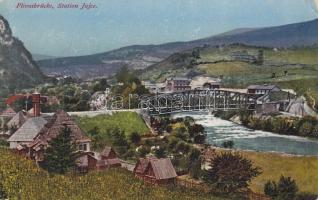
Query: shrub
[180, 132]
[142, 151]
[315, 131]
[286, 188]
[4, 143]
[230, 172]
[305, 129]
[182, 147]
[270, 189]
[134, 138]
[160, 152]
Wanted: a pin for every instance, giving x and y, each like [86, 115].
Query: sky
[118, 23]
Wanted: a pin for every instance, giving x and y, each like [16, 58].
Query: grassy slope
[127, 121]
[21, 176]
[302, 169]
[301, 64]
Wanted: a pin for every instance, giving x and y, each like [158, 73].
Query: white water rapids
[219, 130]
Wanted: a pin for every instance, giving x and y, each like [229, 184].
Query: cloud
[316, 2]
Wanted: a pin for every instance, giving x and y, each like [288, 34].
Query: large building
[178, 84]
[262, 89]
[53, 128]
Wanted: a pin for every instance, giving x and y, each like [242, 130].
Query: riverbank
[302, 168]
[306, 126]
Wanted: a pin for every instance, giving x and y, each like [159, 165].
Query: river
[219, 130]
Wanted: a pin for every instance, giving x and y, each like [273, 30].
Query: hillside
[17, 68]
[142, 56]
[295, 68]
[22, 179]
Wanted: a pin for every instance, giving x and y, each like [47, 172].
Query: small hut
[155, 171]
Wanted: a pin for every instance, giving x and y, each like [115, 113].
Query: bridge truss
[198, 100]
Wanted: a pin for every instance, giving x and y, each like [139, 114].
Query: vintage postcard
[159, 99]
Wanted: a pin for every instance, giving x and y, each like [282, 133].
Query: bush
[181, 132]
[230, 172]
[305, 129]
[286, 188]
[182, 147]
[160, 152]
[134, 138]
[142, 151]
[270, 189]
[4, 143]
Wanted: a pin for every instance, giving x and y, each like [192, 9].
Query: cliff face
[17, 68]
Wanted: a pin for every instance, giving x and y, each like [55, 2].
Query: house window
[82, 147]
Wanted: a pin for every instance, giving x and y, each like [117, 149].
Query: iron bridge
[197, 100]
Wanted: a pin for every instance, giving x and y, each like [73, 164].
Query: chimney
[36, 101]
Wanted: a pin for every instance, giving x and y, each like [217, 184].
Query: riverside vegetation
[306, 126]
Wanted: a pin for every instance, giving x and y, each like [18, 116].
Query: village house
[178, 84]
[273, 102]
[154, 87]
[98, 161]
[262, 89]
[27, 132]
[155, 171]
[53, 128]
[205, 82]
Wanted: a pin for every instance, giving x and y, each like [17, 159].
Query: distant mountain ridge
[17, 68]
[143, 56]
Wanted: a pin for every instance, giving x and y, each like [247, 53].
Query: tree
[270, 189]
[60, 156]
[118, 137]
[160, 152]
[194, 162]
[135, 138]
[286, 188]
[230, 172]
[196, 129]
[142, 151]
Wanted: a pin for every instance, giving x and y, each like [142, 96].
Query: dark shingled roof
[19, 119]
[29, 130]
[261, 87]
[162, 168]
[54, 127]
